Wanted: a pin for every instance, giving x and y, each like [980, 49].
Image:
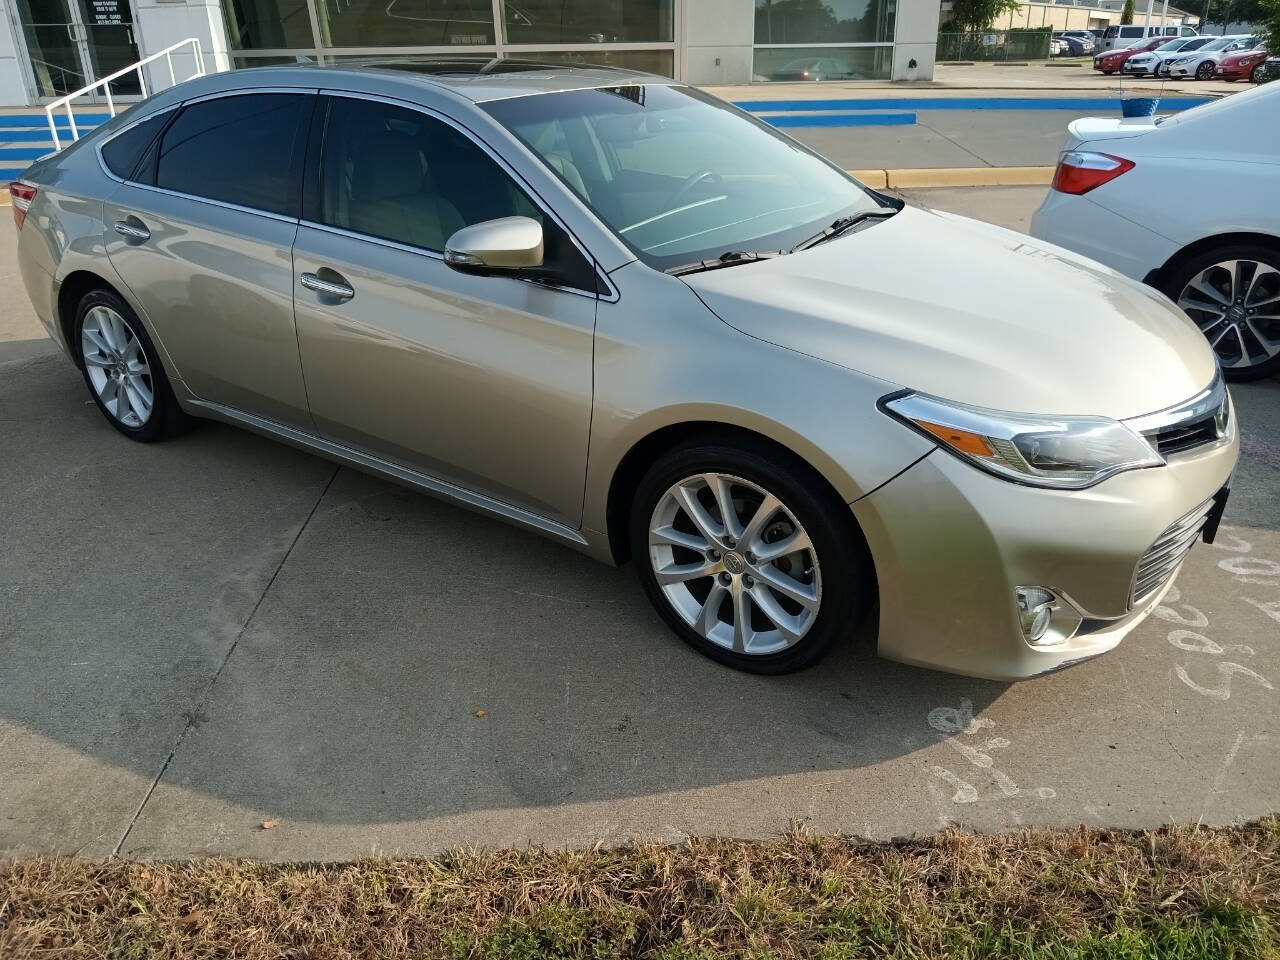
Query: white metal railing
[167, 53]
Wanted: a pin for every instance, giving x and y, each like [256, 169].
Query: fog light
[1035, 611]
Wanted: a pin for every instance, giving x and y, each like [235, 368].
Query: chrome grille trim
[1197, 422]
[1163, 557]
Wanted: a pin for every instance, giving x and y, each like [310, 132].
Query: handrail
[105, 83]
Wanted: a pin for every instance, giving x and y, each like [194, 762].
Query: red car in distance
[1245, 65]
[1110, 61]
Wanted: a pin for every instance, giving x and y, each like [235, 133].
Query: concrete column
[915, 38]
[13, 79]
[160, 23]
[719, 35]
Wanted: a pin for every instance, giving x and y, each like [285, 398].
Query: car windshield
[679, 176]
[1172, 45]
[1219, 44]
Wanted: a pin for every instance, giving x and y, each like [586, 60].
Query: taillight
[22, 195]
[1079, 172]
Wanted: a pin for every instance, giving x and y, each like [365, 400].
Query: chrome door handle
[327, 288]
[132, 231]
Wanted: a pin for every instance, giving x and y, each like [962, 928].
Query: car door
[202, 230]
[483, 382]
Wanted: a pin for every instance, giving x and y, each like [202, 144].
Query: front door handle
[133, 230]
[337, 289]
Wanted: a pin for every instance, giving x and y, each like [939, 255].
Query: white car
[1216, 250]
[1150, 63]
[1203, 63]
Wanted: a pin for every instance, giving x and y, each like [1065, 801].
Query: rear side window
[1130, 31]
[122, 152]
[244, 149]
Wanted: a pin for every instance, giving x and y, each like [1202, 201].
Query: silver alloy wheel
[735, 563]
[1236, 304]
[117, 366]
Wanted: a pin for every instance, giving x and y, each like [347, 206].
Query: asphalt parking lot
[203, 635]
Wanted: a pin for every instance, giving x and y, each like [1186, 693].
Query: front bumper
[951, 543]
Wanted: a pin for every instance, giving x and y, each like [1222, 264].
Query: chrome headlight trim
[1059, 453]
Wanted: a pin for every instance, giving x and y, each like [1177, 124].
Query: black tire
[1255, 75]
[1205, 70]
[1174, 283]
[843, 562]
[166, 417]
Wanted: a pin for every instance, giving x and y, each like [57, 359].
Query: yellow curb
[956, 177]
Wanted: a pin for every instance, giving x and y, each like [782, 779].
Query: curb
[956, 177]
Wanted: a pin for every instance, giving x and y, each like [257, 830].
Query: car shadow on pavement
[333, 648]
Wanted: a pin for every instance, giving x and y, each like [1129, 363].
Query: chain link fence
[995, 45]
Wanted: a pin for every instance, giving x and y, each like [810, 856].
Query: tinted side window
[122, 152]
[395, 173]
[240, 149]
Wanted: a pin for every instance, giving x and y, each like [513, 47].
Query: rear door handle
[338, 289]
[133, 229]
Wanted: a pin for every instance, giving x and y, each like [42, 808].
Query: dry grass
[1181, 892]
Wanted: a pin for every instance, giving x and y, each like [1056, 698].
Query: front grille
[1198, 422]
[1178, 437]
[1162, 558]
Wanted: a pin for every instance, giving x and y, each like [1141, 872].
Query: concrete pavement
[200, 635]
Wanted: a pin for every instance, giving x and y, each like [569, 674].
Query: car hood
[971, 313]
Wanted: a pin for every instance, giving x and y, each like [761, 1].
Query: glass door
[108, 32]
[71, 43]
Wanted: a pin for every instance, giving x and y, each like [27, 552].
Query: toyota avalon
[620, 313]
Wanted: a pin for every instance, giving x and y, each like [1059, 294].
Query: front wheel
[1205, 71]
[748, 556]
[1232, 294]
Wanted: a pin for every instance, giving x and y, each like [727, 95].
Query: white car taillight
[1079, 172]
[22, 195]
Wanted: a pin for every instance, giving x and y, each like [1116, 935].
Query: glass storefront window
[406, 23]
[800, 64]
[587, 21]
[824, 21]
[650, 61]
[267, 24]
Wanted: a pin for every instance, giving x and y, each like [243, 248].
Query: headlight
[1065, 452]
[1183, 60]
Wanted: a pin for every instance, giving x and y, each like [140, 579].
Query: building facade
[52, 47]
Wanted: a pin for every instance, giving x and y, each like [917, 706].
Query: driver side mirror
[496, 246]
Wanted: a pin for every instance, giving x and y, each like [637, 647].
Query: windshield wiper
[730, 258]
[841, 225]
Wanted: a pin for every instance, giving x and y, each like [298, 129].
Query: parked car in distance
[619, 312]
[1216, 253]
[1243, 65]
[813, 68]
[1058, 48]
[1149, 64]
[1118, 36]
[1077, 46]
[1202, 63]
[1111, 61]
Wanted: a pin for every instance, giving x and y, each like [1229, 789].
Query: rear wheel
[748, 556]
[1232, 293]
[122, 369]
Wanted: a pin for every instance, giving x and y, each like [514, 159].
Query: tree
[973, 16]
[1126, 15]
[1271, 26]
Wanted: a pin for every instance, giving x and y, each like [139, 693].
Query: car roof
[479, 79]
